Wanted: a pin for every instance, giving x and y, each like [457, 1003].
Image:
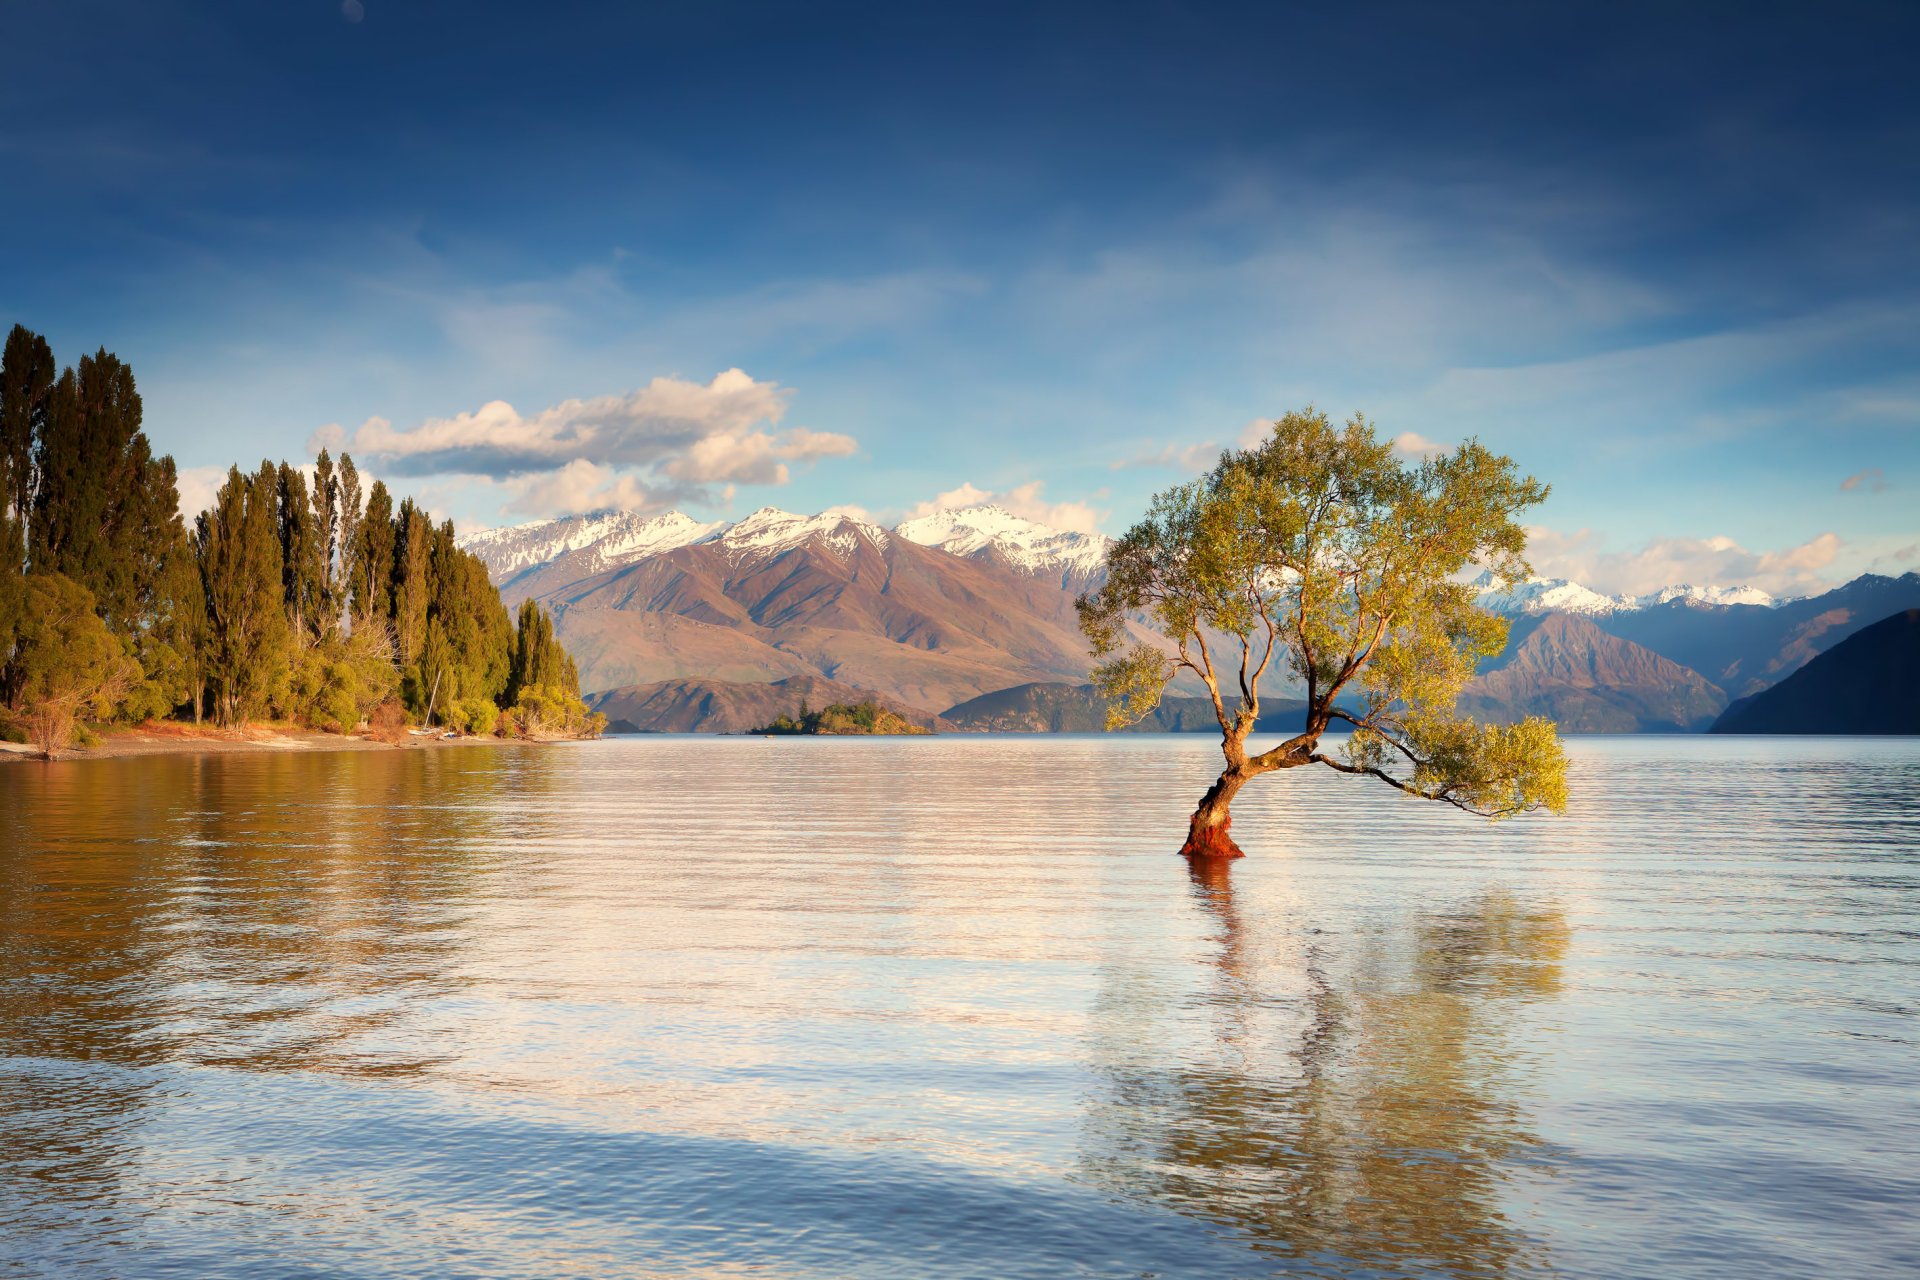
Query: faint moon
[352, 10]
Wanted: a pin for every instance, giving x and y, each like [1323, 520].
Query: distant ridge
[1869, 683]
[1564, 667]
[728, 706]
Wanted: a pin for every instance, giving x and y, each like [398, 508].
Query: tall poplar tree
[237, 542]
[26, 376]
[299, 560]
[413, 543]
[347, 535]
[324, 616]
[372, 583]
[27, 373]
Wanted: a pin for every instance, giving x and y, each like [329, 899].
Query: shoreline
[168, 739]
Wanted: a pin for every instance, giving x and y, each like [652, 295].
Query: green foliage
[370, 583]
[1319, 549]
[237, 542]
[70, 664]
[477, 716]
[289, 597]
[841, 718]
[549, 711]
[537, 659]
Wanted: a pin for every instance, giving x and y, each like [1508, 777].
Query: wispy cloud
[1715, 561]
[1026, 501]
[1173, 457]
[1871, 480]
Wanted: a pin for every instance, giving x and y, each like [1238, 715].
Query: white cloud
[1025, 501]
[582, 486]
[1714, 561]
[670, 441]
[1411, 444]
[198, 487]
[664, 421]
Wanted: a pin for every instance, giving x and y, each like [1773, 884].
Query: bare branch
[1442, 794]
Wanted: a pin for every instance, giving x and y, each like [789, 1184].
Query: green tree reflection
[1381, 1128]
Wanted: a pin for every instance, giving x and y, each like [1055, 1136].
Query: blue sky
[1670, 261]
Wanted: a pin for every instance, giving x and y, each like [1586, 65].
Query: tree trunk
[1207, 832]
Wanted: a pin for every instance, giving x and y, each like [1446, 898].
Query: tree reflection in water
[1376, 1126]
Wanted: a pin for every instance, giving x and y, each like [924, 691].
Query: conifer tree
[324, 613]
[299, 561]
[27, 373]
[238, 547]
[347, 535]
[372, 583]
[412, 549]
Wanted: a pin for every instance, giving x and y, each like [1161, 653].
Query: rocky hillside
[1868, 683]
[1564, 667]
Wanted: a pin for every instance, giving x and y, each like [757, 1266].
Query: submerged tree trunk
[1207, 831]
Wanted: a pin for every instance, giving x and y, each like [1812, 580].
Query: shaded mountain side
[1564, 667]
[1869, 683]
[1747, 648]
[726, 706]
[1059, 707]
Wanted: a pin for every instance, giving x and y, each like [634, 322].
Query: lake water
[949, 1007]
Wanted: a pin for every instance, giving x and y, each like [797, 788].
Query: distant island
[1869, 683]
[841, 719]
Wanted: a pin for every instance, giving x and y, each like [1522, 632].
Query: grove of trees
[1320, 551]
[294, 597]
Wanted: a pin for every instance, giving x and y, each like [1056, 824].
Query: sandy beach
[180, 739]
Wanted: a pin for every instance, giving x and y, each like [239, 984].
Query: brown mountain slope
[722, 706]
[1564, 667]
[848, 602]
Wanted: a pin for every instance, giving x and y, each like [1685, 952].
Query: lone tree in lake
[1320, 549]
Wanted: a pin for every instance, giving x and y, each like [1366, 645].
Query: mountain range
[964, 617]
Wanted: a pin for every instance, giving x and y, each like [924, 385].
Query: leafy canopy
[1322, 551]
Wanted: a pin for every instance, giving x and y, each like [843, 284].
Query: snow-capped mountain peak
[1544, 595]
[609, 537]
[1547, 595]
[1706, 595]
[986, 530]
[772, 530]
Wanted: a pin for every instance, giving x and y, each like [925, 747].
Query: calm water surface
[948, 1007]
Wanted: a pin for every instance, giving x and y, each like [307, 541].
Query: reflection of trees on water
[264, 913]
[1374, 1120]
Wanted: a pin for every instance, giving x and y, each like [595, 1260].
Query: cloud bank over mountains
[672, 440]
[1581, 556]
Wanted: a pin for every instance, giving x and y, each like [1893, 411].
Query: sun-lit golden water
[948, 1007]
